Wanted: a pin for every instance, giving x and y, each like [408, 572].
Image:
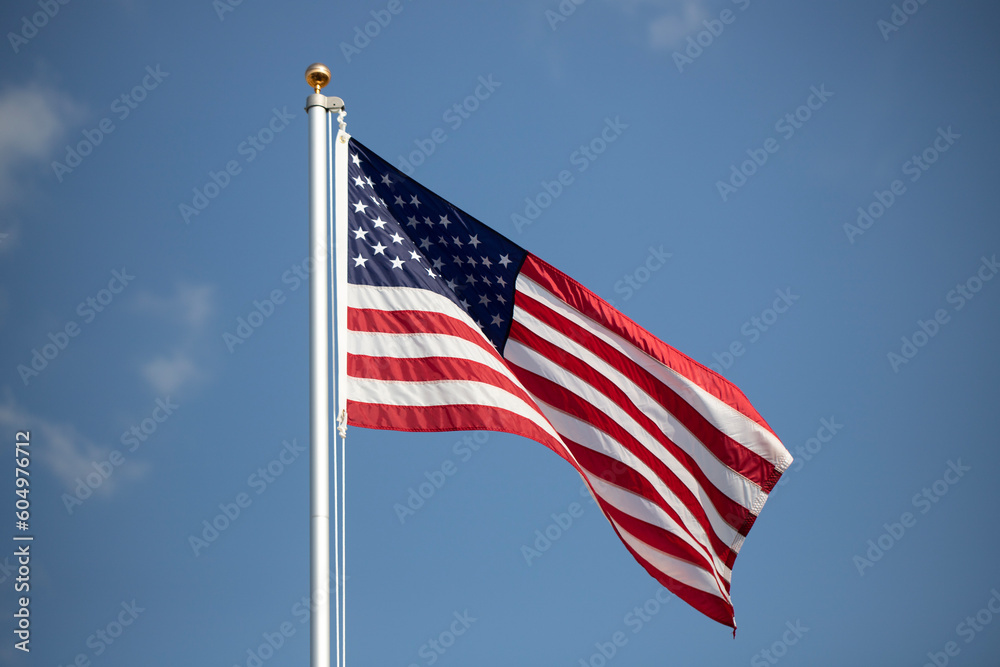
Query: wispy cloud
[186, 310]
[35, 119]
[669, 22]
[166, 375]
[68, 454]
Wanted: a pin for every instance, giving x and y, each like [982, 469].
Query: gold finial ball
[317, 76]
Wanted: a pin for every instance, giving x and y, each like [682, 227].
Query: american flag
[451, 326]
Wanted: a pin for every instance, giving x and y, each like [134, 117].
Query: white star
[465, 304]
[360, 182]
[497, 320]
[370, 184]
[430, 223]
[386, 179]
[470, 261]
[360, 233]
[396, 238]
[445, 221]
[378, 201]
[360, 207]
[457, 259]
[487, 263]
[501, 281]
[474, 241]
[415, 201]
[471, 279]
[359, 261]
[456, 241]
[431, 273]
[397, 263]
[504, 261]
[355, 159]
[485, 300]
[486, 279]
[379, 248]
[412, 222]
[415, 255]
[451, 285]
[379, 222]
[399, 200]
[438, 264]
[501, 299]
[425, 244]
[442, 240]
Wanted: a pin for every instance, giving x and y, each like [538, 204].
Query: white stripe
[728, 481]
[724, 417]
[418, 346]
[648, 511]
[407, 298]
[676, 569]
[446, 392]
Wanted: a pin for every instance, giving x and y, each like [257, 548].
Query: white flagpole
[317, 107]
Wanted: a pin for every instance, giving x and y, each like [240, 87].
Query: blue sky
[748, 135]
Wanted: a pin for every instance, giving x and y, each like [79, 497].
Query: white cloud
[189, 308]
[668, 31]
[35, 118]
[167, 375]
[68, 454]
[190, 305]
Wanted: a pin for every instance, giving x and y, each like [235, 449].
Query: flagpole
[317, 107]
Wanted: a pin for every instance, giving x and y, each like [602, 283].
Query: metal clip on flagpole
[317, 108]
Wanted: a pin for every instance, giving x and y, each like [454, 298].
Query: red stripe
[730, 452]
[615, 472]
[433, 369]
[662, 540]
[449, 418]
[735, 514]
[711, 605]
[589, 304]
[415, 322]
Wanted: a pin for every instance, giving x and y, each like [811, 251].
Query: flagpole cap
[317, 76]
